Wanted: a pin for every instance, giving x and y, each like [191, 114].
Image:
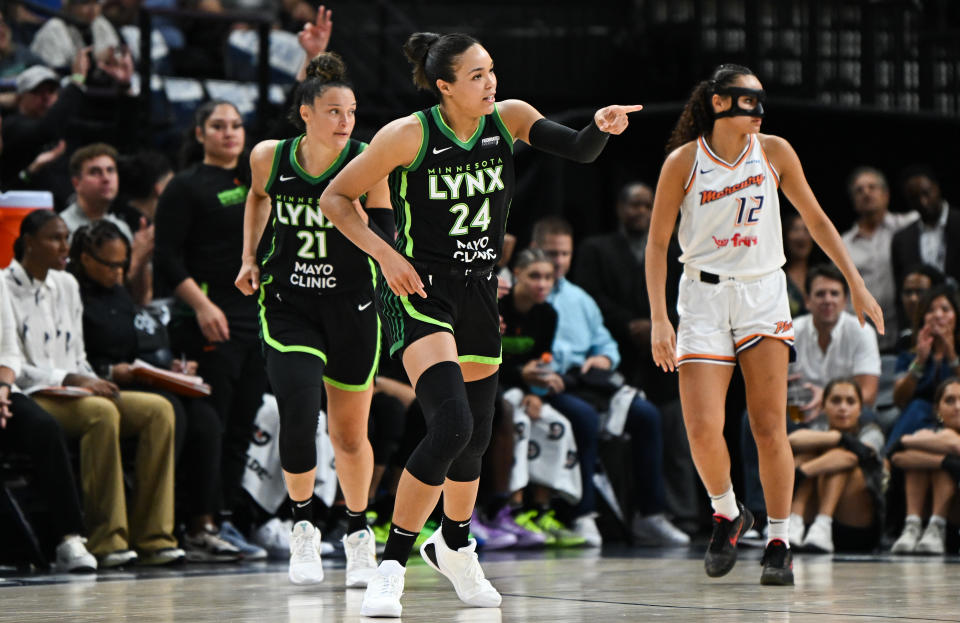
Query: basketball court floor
[617, 584]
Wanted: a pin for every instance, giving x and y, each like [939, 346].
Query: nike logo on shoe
[364, 306]
[440, 151]
[286, 178]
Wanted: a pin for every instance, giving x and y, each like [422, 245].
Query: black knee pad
[446, 411]
[296, 380]
[482, 395]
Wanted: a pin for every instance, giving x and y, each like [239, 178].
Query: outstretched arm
[527, 124]
[797, 190]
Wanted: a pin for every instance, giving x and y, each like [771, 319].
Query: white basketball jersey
[730, 215]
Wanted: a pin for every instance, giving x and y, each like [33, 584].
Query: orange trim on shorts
[706, 150]
[711, 357]
[776, 175]
[775, 337]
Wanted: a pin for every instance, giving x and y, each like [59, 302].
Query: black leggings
[33, 432]
[234, 369]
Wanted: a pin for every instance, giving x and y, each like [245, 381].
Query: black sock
[399, 544]
[356, 521]
[456, 534]
[302, 511]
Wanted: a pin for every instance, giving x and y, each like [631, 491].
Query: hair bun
[328, 67]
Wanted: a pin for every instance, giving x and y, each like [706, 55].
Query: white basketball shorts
[720, 320]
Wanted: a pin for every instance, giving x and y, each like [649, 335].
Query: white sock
[827, 519]
[778, 529]
[913, 519]
[725, 504]
[937, 519]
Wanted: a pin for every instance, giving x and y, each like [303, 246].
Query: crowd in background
[138, 260]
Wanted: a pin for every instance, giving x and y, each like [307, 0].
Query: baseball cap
[32, 77]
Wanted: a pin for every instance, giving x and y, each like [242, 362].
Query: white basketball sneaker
[305, 565]
[382, 597]
[360, 548]
[462, 569]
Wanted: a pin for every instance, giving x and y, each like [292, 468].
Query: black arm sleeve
[382, 223]
[583, 146]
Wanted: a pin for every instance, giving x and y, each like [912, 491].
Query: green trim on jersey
[273, 242]
[424, 139]
[450, 134]
[407, 305]
[265, 330]
[407, 217]
[327, 173]
[502, 127]
[493, 361]
[273, 167]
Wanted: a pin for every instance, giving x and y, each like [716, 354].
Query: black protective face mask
[735, 110]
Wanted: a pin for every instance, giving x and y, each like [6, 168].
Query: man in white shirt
[830, 342]
[868, 242]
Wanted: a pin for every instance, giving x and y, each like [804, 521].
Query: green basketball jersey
[303, 251]
[452, 202]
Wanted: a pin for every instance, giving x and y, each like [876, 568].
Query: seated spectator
[58, 42]
[93, 172]
[932, 359]
[33, 137]
[26, 428]
[610, 267]
[801, 254]
[868, 242]
[529, 326]
[116, 333]
[933, 239]
[49, 317]
[14, 58]
[829, 343]
[930, 460]
[839, 476]
[917, 281]
[582, 344]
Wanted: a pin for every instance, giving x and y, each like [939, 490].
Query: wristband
[24, 176]
[915, 370]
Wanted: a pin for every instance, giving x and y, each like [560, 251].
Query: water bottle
[544, 369]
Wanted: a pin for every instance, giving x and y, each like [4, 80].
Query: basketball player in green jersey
[318, 318]
[451, 179]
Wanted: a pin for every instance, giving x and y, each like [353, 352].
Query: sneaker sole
[776, 580]
[306, 579]
[381, 612]
[435, 567]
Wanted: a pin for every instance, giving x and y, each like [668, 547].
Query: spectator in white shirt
[830, 341]
[868, 242]
[49, 320]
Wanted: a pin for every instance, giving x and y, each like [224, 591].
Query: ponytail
[433, 57]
